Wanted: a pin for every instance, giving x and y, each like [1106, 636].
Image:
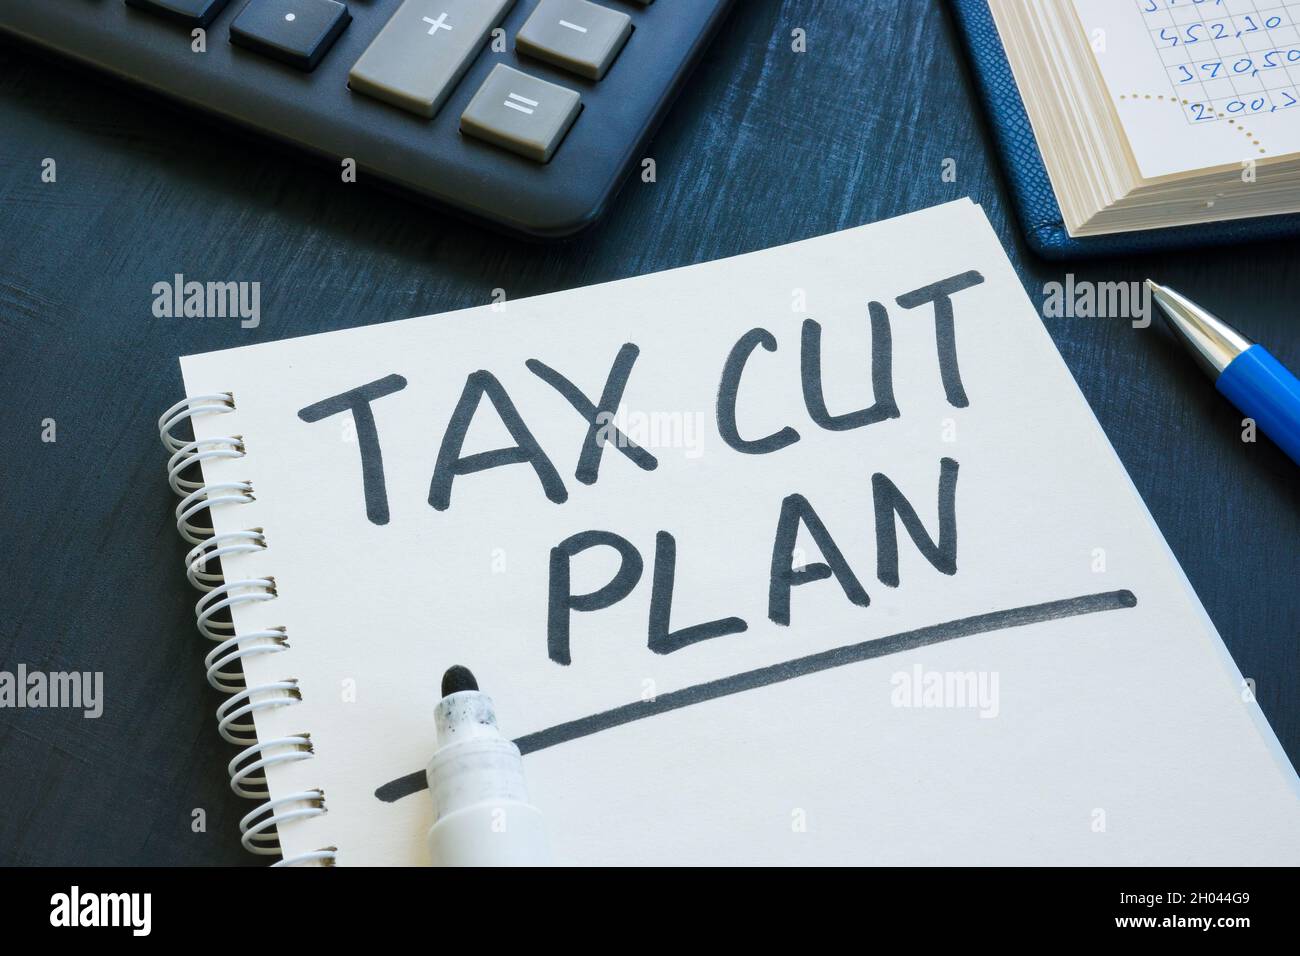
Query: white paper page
[1200, 84]
[1108, 734]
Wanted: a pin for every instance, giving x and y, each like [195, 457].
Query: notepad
[814, 555]
[1154, 113]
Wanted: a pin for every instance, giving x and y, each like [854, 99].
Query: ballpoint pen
[1243, 372]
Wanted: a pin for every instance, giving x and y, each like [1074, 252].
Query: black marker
[482, 816]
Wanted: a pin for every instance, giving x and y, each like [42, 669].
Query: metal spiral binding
[258, 829]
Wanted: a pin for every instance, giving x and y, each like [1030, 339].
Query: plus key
[423, 50]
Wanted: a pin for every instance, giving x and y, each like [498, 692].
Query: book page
[811, 555]
[1200, 84]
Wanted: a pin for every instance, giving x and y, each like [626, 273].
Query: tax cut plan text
[596, 429]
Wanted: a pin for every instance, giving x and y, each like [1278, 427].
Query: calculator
[527, 114]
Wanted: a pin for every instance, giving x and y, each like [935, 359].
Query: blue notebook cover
[1031, 190]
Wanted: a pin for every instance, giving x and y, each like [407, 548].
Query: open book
[1154, 113]
[812, 555]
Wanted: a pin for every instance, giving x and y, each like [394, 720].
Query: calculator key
[197, 13]
[578, 36]
[423, 50]
[297, 32]
[521, 113]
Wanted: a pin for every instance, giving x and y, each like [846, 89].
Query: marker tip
[458, 678]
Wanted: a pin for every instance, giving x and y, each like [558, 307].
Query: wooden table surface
[765, 146]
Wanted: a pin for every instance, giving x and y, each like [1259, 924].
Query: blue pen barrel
[1266, 391]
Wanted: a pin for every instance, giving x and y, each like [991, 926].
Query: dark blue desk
[766, 146]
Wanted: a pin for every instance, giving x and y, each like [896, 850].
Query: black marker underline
[788, 670]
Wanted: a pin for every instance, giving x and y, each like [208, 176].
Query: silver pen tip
[1212, 342]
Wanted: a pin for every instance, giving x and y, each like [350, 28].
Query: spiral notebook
[811, 555]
